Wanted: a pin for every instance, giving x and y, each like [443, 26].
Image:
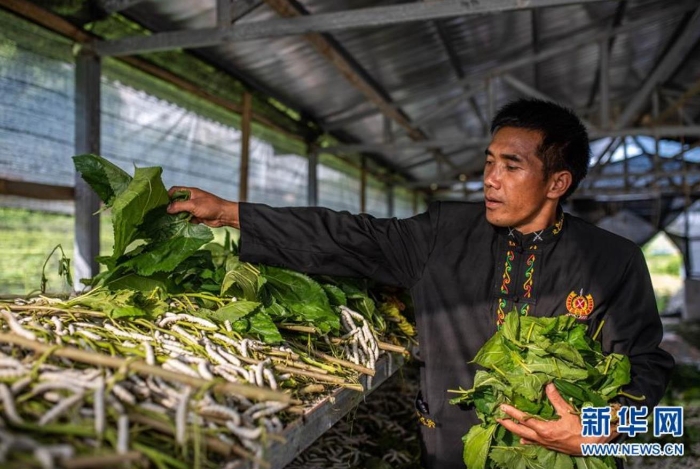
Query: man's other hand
[563, 435]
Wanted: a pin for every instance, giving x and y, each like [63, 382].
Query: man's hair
[564, 144]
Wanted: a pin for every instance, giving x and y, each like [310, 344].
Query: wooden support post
[389, 138]
[245, 146]
[87, 140]
[312, 186]
[363, 185]
[625, 164]
[604, 81]
[390, 199]
[490, 98]
[655, 103]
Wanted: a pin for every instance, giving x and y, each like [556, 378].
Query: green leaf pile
[159, 257]
[519, 360]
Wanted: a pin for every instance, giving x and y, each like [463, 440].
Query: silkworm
[86, 324]
[60, 451]
[152, 407]
[59, 409]
[129, 335]
[225, 338]
[227, 326]
[4, 449]
[229, 357]
[176, 365]
[44, 458]
[54, 386]
[259, 374]
[273, 425]
[205, 323]
[15, 326]
[99, 406]
[204, 372]
[167, 320]
[243, 347]
[270, 376]
[214, 355]
[8, 404]
[347, 318]
[221, 411]
[351, 334]
[272, 408]
[57, 324]
[12, 373]
[172, 349]
[244, 433]
[89, 335]
[239, 370]
[181, 416]
[52, 396]
[189, 359]
[10, 362]
[123, 394]
[150, 356]
[20, 384]
[276, 424]
[185, 335]
[352, 313]
[122, 434]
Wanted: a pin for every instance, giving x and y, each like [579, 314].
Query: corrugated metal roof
[411, 64]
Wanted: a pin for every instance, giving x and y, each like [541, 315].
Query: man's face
[515, 192]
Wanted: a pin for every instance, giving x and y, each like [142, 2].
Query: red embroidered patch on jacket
[579, 306]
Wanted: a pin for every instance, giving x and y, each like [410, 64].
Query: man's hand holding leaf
[205, 207]
[562, 435]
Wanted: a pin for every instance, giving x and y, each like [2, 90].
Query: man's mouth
[492, 203]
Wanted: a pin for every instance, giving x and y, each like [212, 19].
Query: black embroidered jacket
[464, 274]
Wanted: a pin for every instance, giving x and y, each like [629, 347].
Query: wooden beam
[33, 190]
[245, 146]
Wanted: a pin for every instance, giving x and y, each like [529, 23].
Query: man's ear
[559, 183]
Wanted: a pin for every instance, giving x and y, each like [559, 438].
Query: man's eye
[511, 168]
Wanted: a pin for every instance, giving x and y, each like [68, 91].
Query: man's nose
[491, 178]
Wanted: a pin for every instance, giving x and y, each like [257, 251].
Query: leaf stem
[597, 331]
[631, 396]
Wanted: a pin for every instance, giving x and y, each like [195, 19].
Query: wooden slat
[245, 146]
[34, 190]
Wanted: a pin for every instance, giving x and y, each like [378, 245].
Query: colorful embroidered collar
[536, 237]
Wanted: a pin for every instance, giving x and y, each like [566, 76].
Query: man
[467, 264]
